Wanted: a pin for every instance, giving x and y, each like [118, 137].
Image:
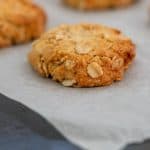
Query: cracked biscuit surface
[82, 55]
[20, 21]
[97, 4]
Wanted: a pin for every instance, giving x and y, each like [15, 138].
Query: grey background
[23, 129]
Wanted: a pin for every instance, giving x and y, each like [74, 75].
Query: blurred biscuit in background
[97, 4]
[20, 21]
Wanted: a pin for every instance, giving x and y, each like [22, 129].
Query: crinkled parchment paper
[104, 118]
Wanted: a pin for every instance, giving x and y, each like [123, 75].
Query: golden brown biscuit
[20, 21]
[97, 4]
[82, 55]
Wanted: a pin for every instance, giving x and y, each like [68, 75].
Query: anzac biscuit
[97, 4]
[82, 55]
[20, 21]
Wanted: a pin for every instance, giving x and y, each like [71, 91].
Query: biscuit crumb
[69, 64]
[83, 48]
[117, 63]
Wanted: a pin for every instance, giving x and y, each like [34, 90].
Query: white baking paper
[105, 118]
